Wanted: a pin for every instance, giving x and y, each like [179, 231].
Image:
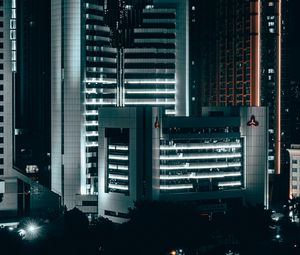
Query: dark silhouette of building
[32, 100]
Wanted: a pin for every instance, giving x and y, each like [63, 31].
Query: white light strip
[91, 144]
[118, 147]
[92, 112]
[151, 103]
[178, 186]
[91, 123]
[116, 186]
[170, 112]
[228, 184]
[151, 82]
[118, 157]
[91, 133]
[200, 156]
[200, 166]
[98, 102]
[96, 80]
[200, 176]
[117, 167]
[118, 177]
[200, 146]
[139, 91]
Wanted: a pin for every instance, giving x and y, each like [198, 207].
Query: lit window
[193, 8]
[271, 4]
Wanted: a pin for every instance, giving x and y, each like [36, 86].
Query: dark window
[294, 170]
[1, 66]
[294, 161]
[1, 161]
[1, 150]
[1, 87]
[1, 77]
[1, 23]
[110, 213]
[1, 171]
[89, 203]
[1, 140]
[1, 129]
[1, 118]
[1, 108]
[1, 97]
[1, 55]
[1, 45]
[1, 33]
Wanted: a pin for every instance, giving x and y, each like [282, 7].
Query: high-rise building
[251, 66]
[32, 90]
[19, 194]
[125, 53]
[216, 160]
[294, 173]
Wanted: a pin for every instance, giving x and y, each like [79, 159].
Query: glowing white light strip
[200, 146]
[99, 102]
[200, 166]
[170, 112]
[91, 144]
[200, 156]
[118, 157]
[118, 177]
[178, 186]
[91, 123]
[97, 80]
[200, 176]
[150, 103]
[91, 133]
[227, 184]
[139, 91]
[151, 82]
[118, 147]
[117, 167]
[92, 112]
[116, 186]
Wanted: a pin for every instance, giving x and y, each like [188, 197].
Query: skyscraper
[19, 194]
[250, 65]
[138, 57]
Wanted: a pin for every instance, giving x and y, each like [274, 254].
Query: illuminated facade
[294, 182]
[221, 156]
[251, 65]
[98, 62]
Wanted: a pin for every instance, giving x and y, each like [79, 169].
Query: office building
[138, 57]
[32, 90]
[20, 195]
[219, 158]
[249, 66]
[294, 178]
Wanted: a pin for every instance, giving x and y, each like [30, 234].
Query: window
[294, 187]
[1, 171]
[294, 170]
[1, 87]
[294, 161]
[1, 140]
[1, 161]
[89, 203]
[294, 178]
[1, 150]
[1, 77]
